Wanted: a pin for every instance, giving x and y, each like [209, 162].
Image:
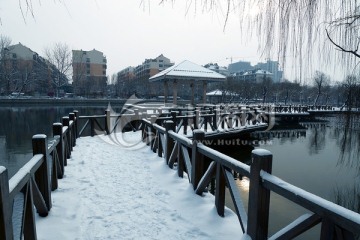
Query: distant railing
[208, 119]
[32, 184]
[202, 164]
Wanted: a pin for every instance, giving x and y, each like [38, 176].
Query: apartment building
[241, 67]
[89, 72]
[24, 71]
[152, 66]
[134, 80]
[256, 75]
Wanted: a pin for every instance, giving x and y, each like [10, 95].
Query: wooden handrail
[36, 179]
[262, 182]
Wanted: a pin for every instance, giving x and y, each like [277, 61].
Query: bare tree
[59, 55]
[6, 71]
[320, 82]
[351, 91]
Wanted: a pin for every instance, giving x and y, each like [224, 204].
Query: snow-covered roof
[215, 93]
[187, 70]
[218, 92]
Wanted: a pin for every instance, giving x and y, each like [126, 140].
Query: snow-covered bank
[114, 192]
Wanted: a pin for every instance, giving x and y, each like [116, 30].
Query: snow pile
[113, 192]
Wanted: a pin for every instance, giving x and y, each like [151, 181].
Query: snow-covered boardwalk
[110, 191]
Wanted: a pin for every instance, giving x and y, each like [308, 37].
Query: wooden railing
[32, 184]
[203, 164]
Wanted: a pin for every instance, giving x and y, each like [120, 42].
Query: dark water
[19, 124]
[322, 158]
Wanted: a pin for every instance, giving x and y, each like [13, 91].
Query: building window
[87, 59]
[88, 72]
[161, 60]
[104, 72]
[14, 55]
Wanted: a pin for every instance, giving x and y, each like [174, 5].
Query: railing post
[76, 112]
[169, 125]
[65, 122]
[153, 133]
[197, 159]
[42, 178]
[107, 121]
[72, 118]
[214, 118]
[197, 119]
[6, 227]
[259, 197]
[173, 116]
[220, 190]
[57, 130]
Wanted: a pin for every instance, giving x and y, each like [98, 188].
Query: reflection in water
[317, 140]
[347, 133]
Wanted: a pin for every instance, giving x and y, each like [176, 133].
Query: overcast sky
[128, 32]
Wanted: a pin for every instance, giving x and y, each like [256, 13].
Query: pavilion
[186, 72]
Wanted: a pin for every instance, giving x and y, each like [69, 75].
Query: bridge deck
[110, 191]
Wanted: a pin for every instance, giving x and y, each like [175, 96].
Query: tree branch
[341, 48]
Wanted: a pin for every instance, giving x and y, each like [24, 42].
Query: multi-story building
[134, 80]
[241, 67]
[152, 66]
[24, 71]
[273, 67]
[89, 72]
[256, 75]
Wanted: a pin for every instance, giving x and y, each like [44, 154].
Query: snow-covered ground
[113, 191]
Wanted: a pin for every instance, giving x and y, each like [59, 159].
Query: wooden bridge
[183, 151]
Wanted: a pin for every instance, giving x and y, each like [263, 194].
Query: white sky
[128, 32]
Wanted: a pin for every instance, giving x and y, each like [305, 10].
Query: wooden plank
[60, 173]
[180, 165]
[42, 177]
[173, 155]
[99, 125]
[343, 217]
[180, 138]
[162, 138]
[220, 190]
[259, 196]
[197, 159]
[29, 228]
[39, 201]
[54, 173]
[179, 126]
[224, 160]
[6, 227]
[297, 227]
[205, 180]
[238, 203]
[187, 161]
